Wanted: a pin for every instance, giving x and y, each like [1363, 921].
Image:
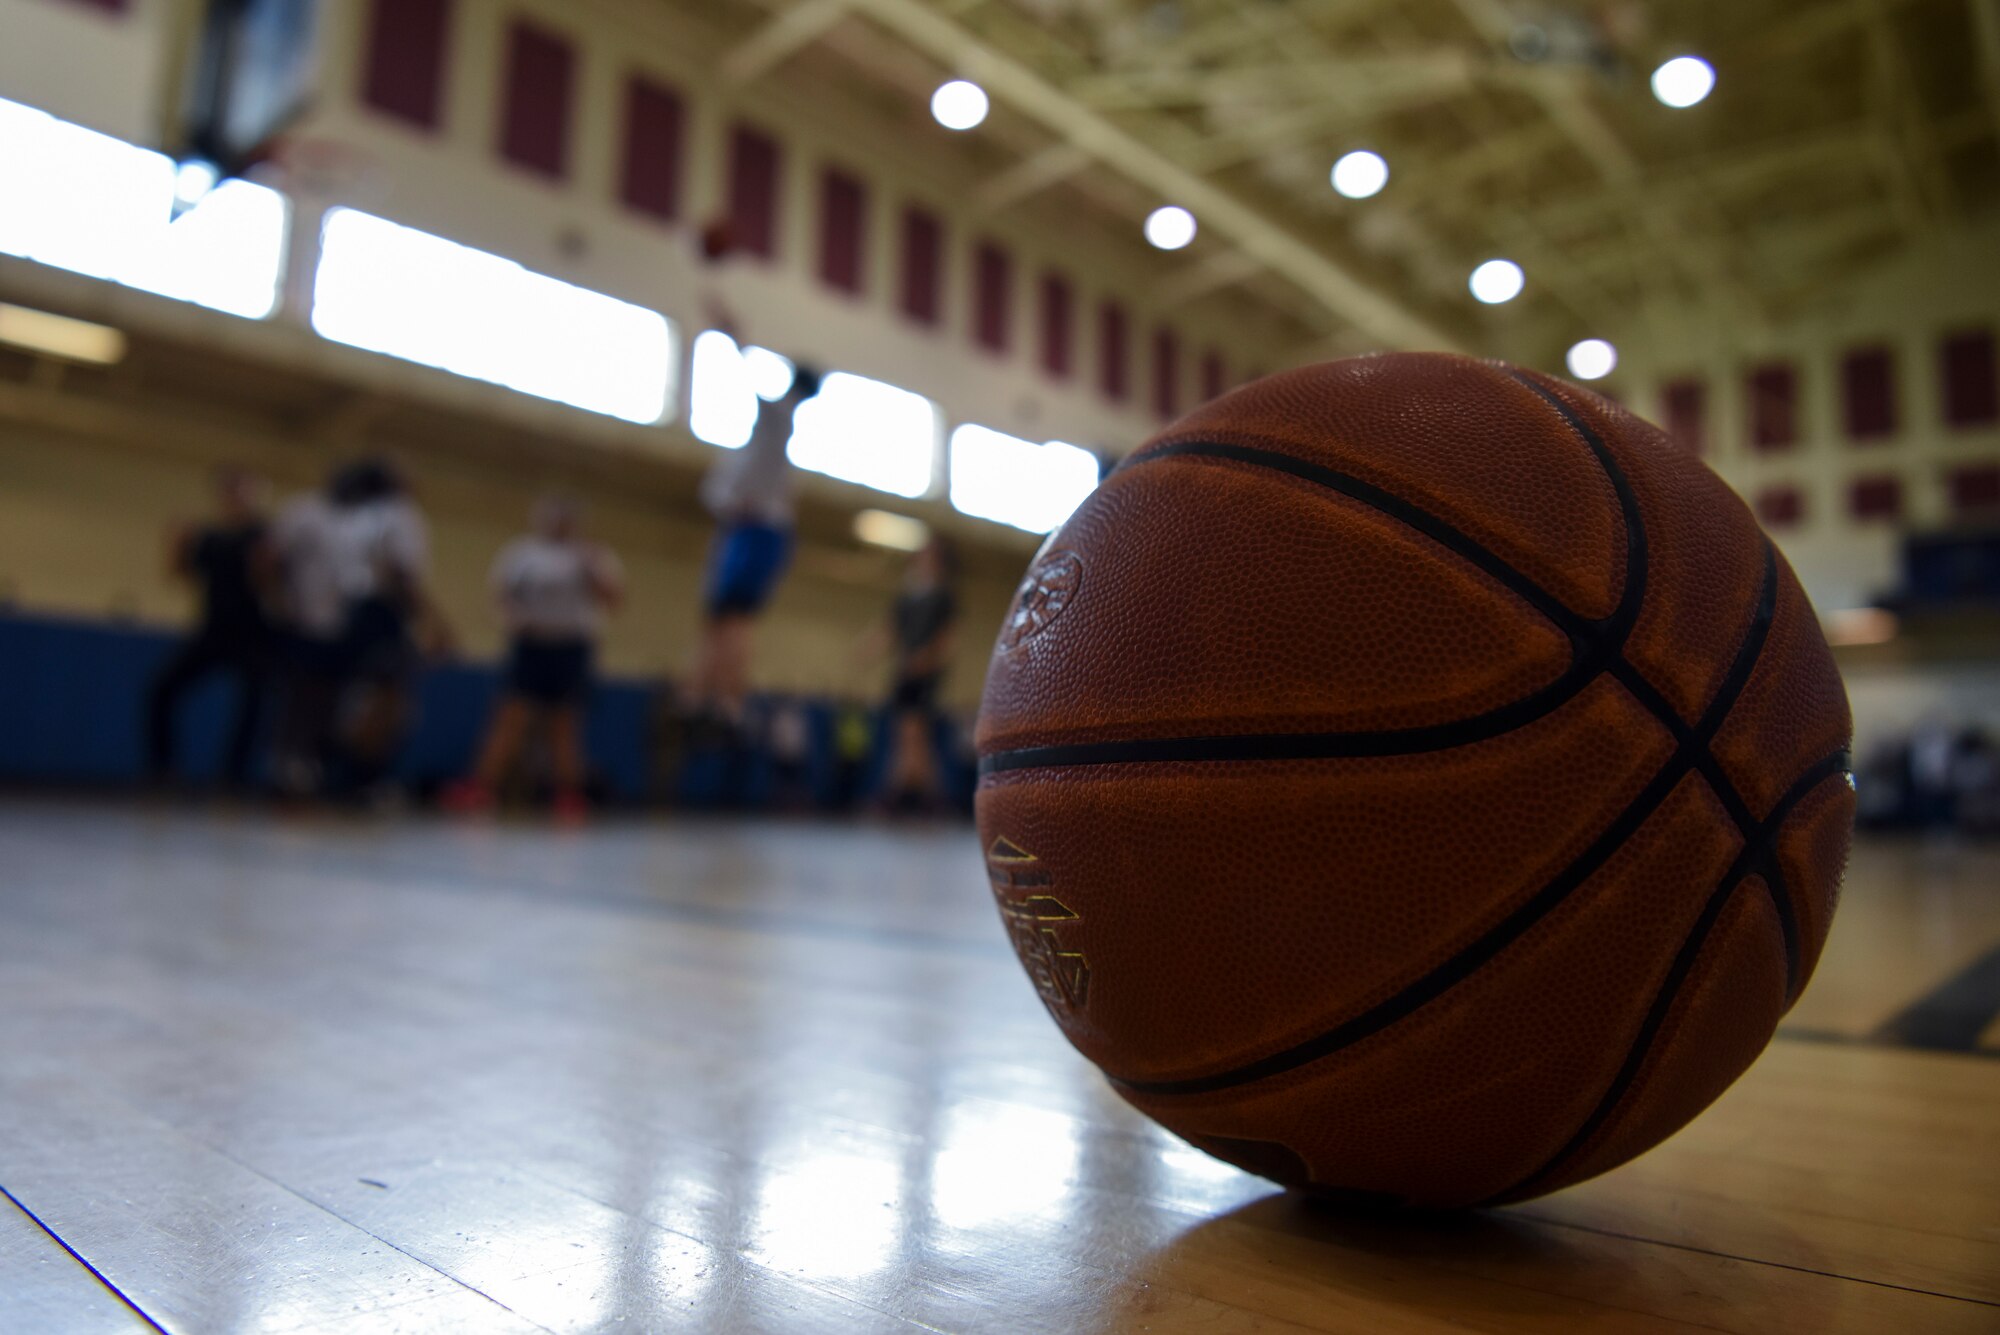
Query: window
[1868, 393]
[1875, 498]
[722, 399]
[1966, 360]
[1001, 477]
[406, 293]
[655, 133]
[1213, 381]
[753, 191]
[1780, 507]
[1114, 369]
[78, 200]
[843, 229]
[1975, 490]
[862, 430]
[1166, 372]
[1058, 325]
[992, 296]
[535, 99]
[725, 384]
[1772, 390]
[923, 266]
[403, 66]
[1684, 405]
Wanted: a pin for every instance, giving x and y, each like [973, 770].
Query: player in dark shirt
[229, 560]
[919, 632]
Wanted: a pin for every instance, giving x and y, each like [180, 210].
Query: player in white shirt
[553, 588]
[381, 555]
[750, 493]
[312, 618]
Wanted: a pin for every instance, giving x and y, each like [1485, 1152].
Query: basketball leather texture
[1416, 779]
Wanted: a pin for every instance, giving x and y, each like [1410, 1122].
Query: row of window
[1870, 404]
[404, 70]
[96, 205]
[1973, 492]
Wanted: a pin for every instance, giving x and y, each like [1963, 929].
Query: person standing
[381, 554]
[919, 633]
[554, 589]
[312, 617]
[751, 494]
[230, 561]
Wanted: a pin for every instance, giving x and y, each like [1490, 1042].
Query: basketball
[718, 240]
[1415, 780]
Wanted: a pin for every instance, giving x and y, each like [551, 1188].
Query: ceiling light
[1496, 281]
[60, 336]
[959, 105]
[1170, 227]
[1592, 359]
[1360, 174]
[1683, 81]
[885, 528]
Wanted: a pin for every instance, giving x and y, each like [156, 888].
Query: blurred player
[312, 614]
[554, 588]
[381, 554]
[230, 561]
[750, 493]
[919, 633]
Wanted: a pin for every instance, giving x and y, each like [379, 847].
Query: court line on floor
[208, 1144]
[1951, 1016]
[1878, 1042]
[1748, 1260]
[79, 1258]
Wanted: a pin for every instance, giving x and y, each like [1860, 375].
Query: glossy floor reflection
[788, 1077]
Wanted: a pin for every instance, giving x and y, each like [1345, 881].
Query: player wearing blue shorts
[750, 493]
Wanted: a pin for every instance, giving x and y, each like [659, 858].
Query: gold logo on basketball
[1049, 586]
[1035, 921]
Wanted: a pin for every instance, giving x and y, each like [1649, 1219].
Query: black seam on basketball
[1454, 970]
[1691, 744]
[1788, 927]
[1756, 857]
[1595, 645]
[1636, 1054]
[1632, 597]
[1691, 752]
[1394, 507]
[1308, 745]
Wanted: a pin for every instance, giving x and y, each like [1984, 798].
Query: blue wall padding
[73, 694]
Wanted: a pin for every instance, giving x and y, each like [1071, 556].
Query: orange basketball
[1413, 778]
[718, 240]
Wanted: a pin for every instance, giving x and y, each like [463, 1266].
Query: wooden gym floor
[414, 1077]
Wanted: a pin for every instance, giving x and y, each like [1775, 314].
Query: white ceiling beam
[1225, 268]
[1492, 155]
[1030, 176]
[1262, 133]
[778, 37]
[1347, 79]
[1387, 319]
[1723, 174]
